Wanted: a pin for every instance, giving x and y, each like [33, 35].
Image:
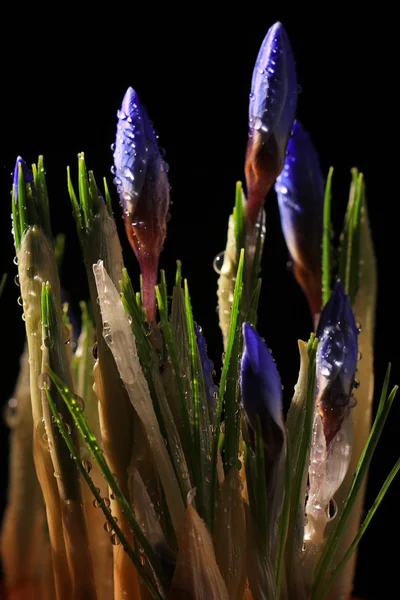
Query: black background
[63, 78]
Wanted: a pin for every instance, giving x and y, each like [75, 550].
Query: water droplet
[106, 501]
[96, 503]
[257, 125]
[331, 510]
[191, 496]
[95, 351]
[108, 337]
[87, 465]
[43, 380]
[218, 262]
[79, 403]
[11, 416]
[15, 260]
[20, 301]
[16, 280]
[359, 356]
[115, 539]
[31, 272]
[108, 527]
[352, 402]
[48, 342]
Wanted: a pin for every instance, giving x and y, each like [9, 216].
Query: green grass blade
[163, 288]
[94, 194]
[326, 240]
[178, 276]
[232, 399]
[253, 309]
[363, 464]
[238, 215]
[15, 220]
[25, 214]
[83, 186]
[59, 248]
[170, 343]
[89, 439]
[224, 374]
[3, 283]
[261, 491]
[101, 502]
[284, 519]
[107, 197]
[75, 204]
[256, 267]
[363, 528]
[39, 180]
[198, 452]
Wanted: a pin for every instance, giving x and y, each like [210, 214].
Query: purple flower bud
[300, 191]
[261, 392]
[142, 184]
[272, 111]
[336, 361]
[28, 178]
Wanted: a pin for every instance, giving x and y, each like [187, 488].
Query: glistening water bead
[218, 262]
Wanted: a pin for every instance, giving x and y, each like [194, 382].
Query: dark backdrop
[63, 79]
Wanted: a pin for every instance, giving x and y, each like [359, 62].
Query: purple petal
[261, 391]
[300, 192]
[142, 184]
[336, 361]
[28, 177]
[272, 110]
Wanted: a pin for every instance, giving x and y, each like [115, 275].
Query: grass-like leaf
[101, 502]
[261, 492]
[253, 309]
[326, 240]
[187, 441]
[238, 216]
[232, 398]
[328, 553]
[256, 267]
[42, 204]
[107, 197]
[197, 434]
[284, 520]
[337, 570]
[299, 428]
[90, 440]
[349, 256]
[223, 381]
[3, 283]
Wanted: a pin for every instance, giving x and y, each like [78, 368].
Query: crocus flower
[142, 184]
[272, 110]
[336, 361]
[300, 191]
[261, 392]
